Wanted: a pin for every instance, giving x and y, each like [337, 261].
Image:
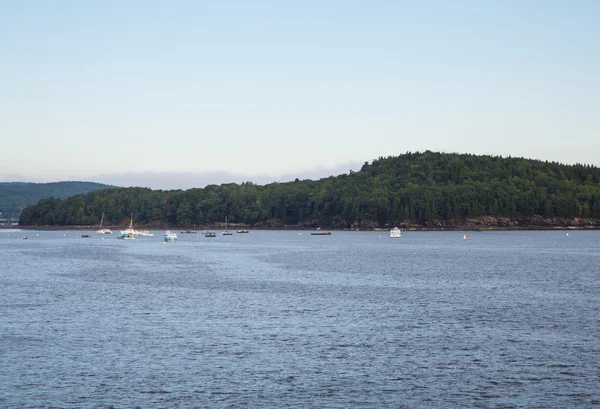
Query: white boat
[170, 236]
[129, 233]
[144, 233]
[226, 232]
[395, 233]
[103, 230]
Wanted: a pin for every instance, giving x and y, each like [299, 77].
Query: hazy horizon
[189, 180]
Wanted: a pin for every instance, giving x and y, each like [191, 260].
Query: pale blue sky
[263, 89]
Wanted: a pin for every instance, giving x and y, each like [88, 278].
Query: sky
[181, 94]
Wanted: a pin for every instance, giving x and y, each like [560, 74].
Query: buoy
[567, 234]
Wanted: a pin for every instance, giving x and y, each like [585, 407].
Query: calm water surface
[289, 320]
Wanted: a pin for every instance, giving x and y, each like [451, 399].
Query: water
[289, 320]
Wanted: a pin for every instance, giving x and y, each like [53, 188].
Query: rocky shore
[471, 223]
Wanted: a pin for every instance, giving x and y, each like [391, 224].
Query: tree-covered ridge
[14, 196]
[420, 188]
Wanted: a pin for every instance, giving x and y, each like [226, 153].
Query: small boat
[85, 236]
[465, 237]
[170, 236]
[144, 233]
[126, 236]
[24, 238]
[321, 233]
[226, 232]
[395, 233]
[209, 234]
[129, 231]
[243, 231]
[103, 230]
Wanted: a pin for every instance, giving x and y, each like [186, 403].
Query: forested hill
[427, 188]
[14, 196]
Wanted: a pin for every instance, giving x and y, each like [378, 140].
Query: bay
[283, 319]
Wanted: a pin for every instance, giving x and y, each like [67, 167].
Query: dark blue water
[289, 320]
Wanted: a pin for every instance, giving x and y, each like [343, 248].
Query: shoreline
[297, 228]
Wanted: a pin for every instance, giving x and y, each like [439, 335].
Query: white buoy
[567, 234]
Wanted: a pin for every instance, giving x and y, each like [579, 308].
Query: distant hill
[14, 196]
[427, 189]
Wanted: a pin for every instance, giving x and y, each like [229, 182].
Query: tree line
[417, 187]
[14, 196]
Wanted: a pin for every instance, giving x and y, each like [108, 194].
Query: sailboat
[226, 232]
[128, 234]
[103, 230]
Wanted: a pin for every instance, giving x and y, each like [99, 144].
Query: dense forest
[426, 188]
[14, 196]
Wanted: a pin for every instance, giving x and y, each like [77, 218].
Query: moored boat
[129, 232]
[395, 233]
[103, 230]
[170, 236]
[226, 232]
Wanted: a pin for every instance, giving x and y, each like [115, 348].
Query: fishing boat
[103, 230]
[395, 233]
[170, 236]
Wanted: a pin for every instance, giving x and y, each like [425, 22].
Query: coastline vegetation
[14, 196]
[420, 188]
